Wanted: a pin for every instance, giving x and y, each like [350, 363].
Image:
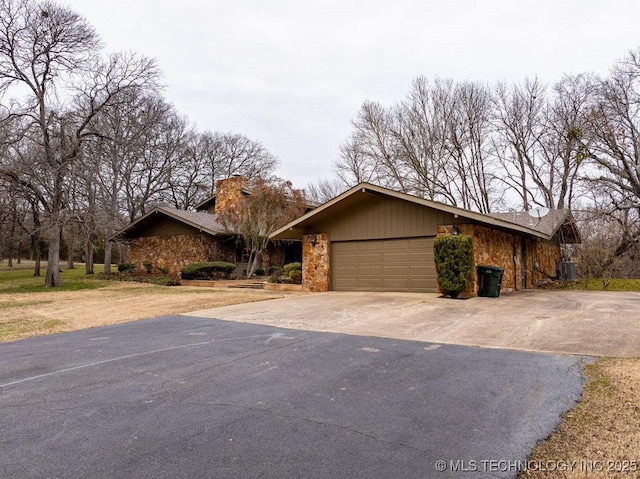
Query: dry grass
[33, 314]
[600, 437]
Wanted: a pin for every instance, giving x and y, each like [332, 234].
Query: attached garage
[371, 238]
[404, 264]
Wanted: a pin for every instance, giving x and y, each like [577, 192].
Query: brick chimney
[229, 192]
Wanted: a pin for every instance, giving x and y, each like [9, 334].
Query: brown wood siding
[163, 226]
[382, 218]
[384, 265]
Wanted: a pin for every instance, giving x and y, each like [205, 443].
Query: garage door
[383, 265]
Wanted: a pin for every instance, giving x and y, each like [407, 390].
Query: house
[371, 238]
[171, 238]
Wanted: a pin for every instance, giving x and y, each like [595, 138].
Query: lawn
[614, 285]
[28, 308]
[20, 279]
[600, 437]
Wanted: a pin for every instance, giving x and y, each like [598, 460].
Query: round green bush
[287, 268]
[296, 276]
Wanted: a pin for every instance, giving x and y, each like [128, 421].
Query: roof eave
[364, 187]
[170, 214]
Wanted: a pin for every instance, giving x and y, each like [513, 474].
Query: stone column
[315, 263]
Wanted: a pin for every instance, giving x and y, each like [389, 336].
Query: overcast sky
[292, 74]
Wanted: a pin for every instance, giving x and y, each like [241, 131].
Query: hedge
[287, 268]
[454, 263]
[126, 267]
[213, 270]
[296, 276]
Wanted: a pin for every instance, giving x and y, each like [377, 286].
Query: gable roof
[202, 221]
[558, 221]
[544, 230]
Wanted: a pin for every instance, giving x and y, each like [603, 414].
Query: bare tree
[614, 150]
[419, 131]
[43, 48]
[564, 146]
[270, 205]
[368, 155]
[354, 166]
[207, 157]
[235, 154]
[151, 155]
[324, 190]
[433, 144]
[519, 122]
[189, 182]
[467, 141]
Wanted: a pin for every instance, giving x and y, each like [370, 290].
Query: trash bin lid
[493, 269]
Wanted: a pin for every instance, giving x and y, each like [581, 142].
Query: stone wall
[229, 192]
[174, 252]
[545, 254]
[499, 248]
[315, 263]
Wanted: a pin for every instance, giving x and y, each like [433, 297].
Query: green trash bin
[490, 278]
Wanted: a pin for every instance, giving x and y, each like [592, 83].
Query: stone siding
[315, 263]
[174, 252]
[546, 254]
[499, 248]
[229, 192]
[273, 255]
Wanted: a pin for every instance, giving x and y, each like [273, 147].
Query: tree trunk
[88, 257]
[70, 264]
[108, 246]
[254, 265]
[35, 240]
[12, 232]
[250, 263]
[53, 278]
[19, 252]
[35, 243]
[121, 252]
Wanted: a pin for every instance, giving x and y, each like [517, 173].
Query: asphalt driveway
[568, 322]
[195, 397]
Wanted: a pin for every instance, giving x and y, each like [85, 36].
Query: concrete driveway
[185, 397]
[574, 322]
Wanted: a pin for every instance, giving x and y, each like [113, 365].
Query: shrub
[275, 269]
[163, 270]
[259, 272]
[148, 267]
[163, 280]
[287, 268]
[454, 263]
[296, 276]
[213, 270]
[126, 267]
[276, 275]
